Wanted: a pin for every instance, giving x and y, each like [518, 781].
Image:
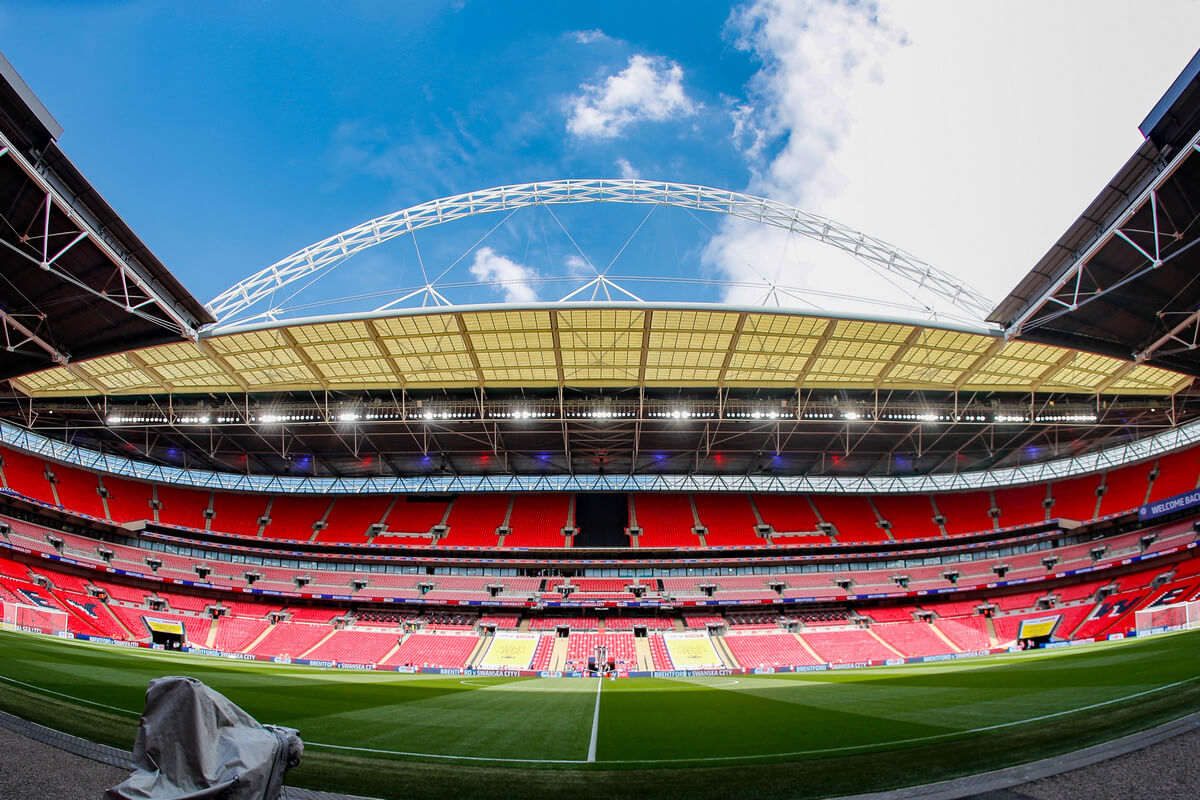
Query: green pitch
[806, 735]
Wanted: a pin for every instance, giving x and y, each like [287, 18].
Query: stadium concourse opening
[458, 515]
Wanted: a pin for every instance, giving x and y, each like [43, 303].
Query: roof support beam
[129, 271]
[466, 337]
[733, 343]
[830, 327]
[393, 364]
[1027, 317]
[898, 356]
[218, 359]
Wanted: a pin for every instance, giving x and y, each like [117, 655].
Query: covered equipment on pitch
[194, 744]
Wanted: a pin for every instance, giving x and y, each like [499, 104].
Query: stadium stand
[848, 646]
[537, 520]
[666, 520]
[768, 650]
[183, 507]
[474, 519]
[352, 516]
[433, 650]
[965, 512]
[852, 517]
[128, 500]
[290, 639]
[911, 516]
[729, 519]
[292, 517]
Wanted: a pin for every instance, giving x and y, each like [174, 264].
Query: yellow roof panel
[602, 346]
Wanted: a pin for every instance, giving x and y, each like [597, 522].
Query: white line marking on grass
[69, 696]
[595, 722]
[440, 755]
[756, 756]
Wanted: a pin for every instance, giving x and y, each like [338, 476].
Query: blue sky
[231, 134]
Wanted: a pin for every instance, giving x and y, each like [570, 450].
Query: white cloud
[649, 88]
[973, 152]
[577, 267]
[505, 275]
[626, 170]
[588, 37]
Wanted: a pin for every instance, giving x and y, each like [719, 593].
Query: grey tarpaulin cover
[194, 744]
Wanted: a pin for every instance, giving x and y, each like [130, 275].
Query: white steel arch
[230, 305]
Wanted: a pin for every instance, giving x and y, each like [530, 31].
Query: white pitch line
[595, 723]
[70, 696]
[759, 756]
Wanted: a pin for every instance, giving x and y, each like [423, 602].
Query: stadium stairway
[117, 620]
[644, 660]
[558, 656]
[392, 652]
[993, 639]
[724, 652]
[249, 648]
[210, 641]
[937, 632]
[816, 658]
[879, 639]
[323, 640]
[481, 647]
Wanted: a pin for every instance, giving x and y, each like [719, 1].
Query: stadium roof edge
[153, 307]
[946, 325]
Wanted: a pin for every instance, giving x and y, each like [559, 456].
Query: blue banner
[1160, 508]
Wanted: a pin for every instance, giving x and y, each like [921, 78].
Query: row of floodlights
[350, 416]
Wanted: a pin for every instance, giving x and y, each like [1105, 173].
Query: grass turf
[822, 733]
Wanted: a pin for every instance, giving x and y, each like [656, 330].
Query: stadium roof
[76, 281]
[609, 345]
[1122, 280]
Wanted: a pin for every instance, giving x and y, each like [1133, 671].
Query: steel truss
[231, 305]
[1110, 458]
[1077, 286]
[57, 227]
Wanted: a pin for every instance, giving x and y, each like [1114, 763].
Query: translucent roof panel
[611, 346]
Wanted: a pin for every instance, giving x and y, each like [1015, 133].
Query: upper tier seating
[128, 500]
[537, 520]
[185, 507]
[79, 490]
[1126, 488]
[293, 516]
[474, 519]
[416, 514]
[787, 512]
[1075, 499]
[240, 513]
[852, 516]
[26, 475]
[965, 512]
[1021, 506]
[911, 516]
[666, 520]
[729, 518]
[351, 518]
[1177, 473]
